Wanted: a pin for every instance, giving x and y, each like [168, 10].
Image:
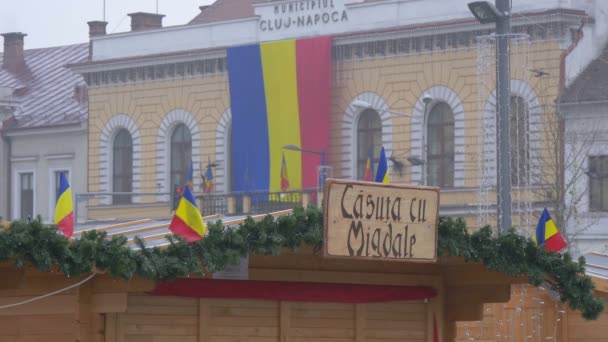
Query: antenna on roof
[104, 10]
[156, 6]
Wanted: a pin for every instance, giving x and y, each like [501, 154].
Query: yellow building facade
[389, 73]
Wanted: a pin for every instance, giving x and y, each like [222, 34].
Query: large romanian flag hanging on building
[279, 95]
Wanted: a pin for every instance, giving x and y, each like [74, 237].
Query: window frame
[361, 160]
[603, 183]
[122, 199]
[524, 173]
[20, 174]
[52, 187]
[441, 157]
[180, 173]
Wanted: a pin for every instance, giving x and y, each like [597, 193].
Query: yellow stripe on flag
[191, 216]
[550, 229]
[281, 88]
[64, 206]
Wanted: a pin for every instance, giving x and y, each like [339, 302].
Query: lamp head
[292, 148]
[485, 12]
[415, 160]
[427, 99]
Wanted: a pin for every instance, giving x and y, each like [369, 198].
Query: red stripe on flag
[555, 243]
[313, 63]
[66, 225]
[179, 227]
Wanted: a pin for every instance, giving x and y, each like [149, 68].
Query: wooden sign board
[364, 220]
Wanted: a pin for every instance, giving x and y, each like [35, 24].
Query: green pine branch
[43, 247]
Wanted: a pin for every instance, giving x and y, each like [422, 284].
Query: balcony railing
[101, 206]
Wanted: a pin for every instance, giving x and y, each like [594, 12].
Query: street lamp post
[322, 167]
[500, 14]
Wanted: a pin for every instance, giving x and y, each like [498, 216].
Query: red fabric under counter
[291, 291]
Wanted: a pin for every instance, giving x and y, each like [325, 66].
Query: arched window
[181, 154]
[122, 166]
[440, 146]
[369, 138]
[520, 152]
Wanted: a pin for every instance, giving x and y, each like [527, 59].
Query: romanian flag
[382, 171]
[190, 176]
[284, 176]
[369, 172]
[208, 177]
[279, 95]
[547, 234]
[64, 210]
[187, 221]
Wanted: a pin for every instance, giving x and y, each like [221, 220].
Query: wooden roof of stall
[154, 231]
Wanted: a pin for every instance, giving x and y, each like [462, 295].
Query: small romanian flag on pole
[187, 221]
[64, 210]
[284, 176]
[547, 234]
[382, 171]
[208, 177]
[190, 176]
[369, 172]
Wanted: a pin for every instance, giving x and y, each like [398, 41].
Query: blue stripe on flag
[249, 141]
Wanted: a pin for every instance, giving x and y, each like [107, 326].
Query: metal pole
[424, 156]
[503, 79]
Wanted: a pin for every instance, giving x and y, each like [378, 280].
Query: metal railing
[113, 206]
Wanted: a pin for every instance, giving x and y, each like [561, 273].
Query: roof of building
[223, 10]
[597, 265]
[591, 84]
[47, 92]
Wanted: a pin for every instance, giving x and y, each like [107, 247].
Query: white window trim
[163, 149]
[16, 191]
[349, 130]
[451, 98]
[595, 151]
[525, 91]
[106, 144]
[222, 153]
[52, 199]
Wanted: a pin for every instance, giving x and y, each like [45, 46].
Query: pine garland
[44, 248]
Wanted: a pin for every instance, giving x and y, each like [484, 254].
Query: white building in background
[43, 112]
[584, 106]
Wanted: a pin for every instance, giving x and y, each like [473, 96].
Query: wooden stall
[107, 309]
[536, 314]
[378, 279]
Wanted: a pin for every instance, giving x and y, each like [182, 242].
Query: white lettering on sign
[302, 14]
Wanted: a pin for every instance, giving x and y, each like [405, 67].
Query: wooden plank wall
[580, 330]
[164, 319]
[530, 315]
[52, 319]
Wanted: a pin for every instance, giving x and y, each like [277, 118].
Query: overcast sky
[61, 22]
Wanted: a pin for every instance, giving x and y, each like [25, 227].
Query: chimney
[13, 58]
[203, 8]
[141, 21]
[97, 28]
